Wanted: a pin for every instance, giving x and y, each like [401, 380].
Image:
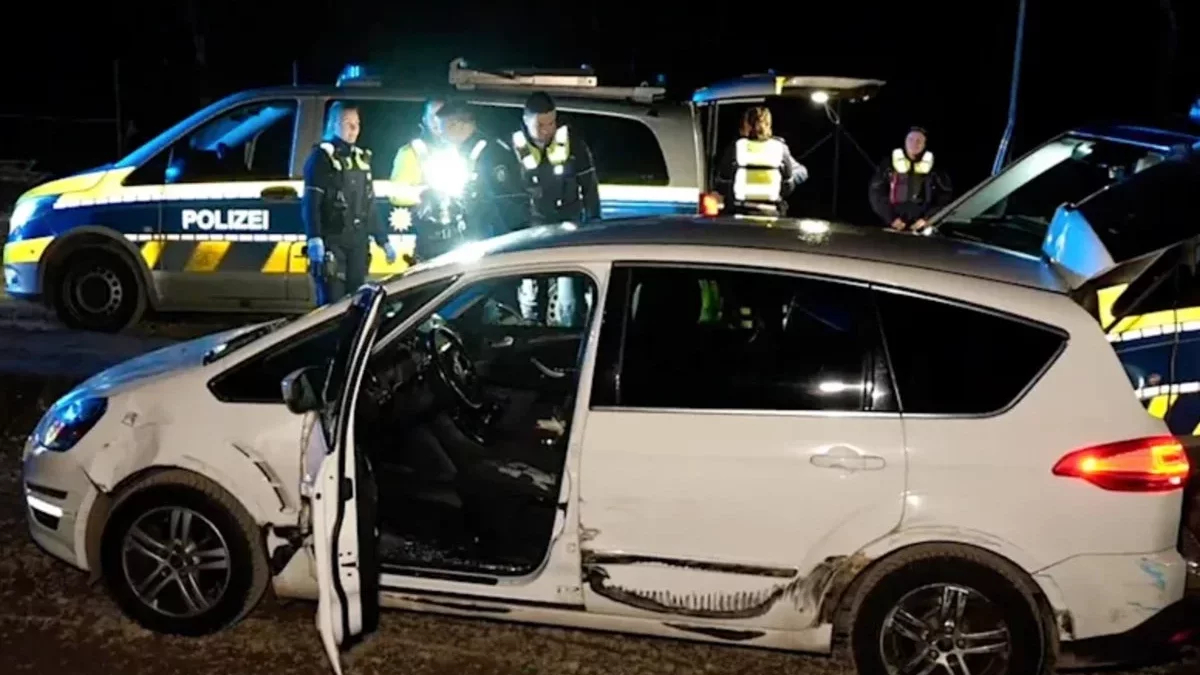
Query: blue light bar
[356, 74]
[1194, 114]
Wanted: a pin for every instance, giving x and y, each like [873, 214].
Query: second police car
[206, 216]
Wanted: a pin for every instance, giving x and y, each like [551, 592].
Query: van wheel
[181, 556]
[97, 289]
[948, 611]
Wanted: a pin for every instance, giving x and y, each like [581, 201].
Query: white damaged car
[797, 437]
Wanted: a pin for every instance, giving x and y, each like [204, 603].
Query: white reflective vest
[902, 164]
[530, 155]
[759, 175]
[359, 158]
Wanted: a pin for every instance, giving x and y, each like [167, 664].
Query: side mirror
[300, 393]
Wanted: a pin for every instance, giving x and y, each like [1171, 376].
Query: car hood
[140, 369]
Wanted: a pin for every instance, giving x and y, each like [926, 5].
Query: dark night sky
[947, 64]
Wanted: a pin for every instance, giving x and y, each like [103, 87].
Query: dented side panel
[712, 526]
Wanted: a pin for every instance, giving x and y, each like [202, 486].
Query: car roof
[813, 237]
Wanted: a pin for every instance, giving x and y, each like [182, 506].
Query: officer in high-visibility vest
[559, 175]
[339, 213]
[472, 180]
[758, 173]
[406, 168]
[906, 188]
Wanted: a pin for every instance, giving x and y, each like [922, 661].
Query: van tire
[1032, 636]
[98, 289]
[250, 573]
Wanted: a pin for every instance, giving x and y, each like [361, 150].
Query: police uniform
[491, 199]
[757, 176]
[339, 207]
[561, 183]
[908, 190]
[560, 179]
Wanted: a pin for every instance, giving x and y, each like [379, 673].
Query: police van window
[252, 142]
[626, 152]
[1151, 209]
[952, 360]
[386, 126]
[721, 339]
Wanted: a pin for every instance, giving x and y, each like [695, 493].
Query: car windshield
[1013, 210]
[232, 345]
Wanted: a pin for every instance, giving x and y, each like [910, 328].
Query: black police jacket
[339, 196]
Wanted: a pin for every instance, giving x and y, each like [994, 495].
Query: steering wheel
[454, 366]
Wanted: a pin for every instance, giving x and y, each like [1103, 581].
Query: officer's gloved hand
[316, 251]
[389, 252]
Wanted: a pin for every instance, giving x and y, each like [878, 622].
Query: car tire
[98, 289]
[157, 508]
[882, 639]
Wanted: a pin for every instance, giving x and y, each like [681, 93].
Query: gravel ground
[52, 621]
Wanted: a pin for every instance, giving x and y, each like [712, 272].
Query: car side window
[252, 142]
[720, 339]
[387, 125]
[257, 379]
[949, 359]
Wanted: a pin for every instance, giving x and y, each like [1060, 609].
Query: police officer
[758, 173]
[559, 175]
[906, 189]
[339, 210]
[406, 168]
[486, 185]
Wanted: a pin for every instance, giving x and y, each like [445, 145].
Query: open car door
[337, 483]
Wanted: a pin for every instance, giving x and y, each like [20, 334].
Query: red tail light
[1157, 464]
[710, 204]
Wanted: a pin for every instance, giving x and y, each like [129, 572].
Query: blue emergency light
[1194, 113]
[357, 75]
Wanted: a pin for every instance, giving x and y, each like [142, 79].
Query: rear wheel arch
[842, 603]
[93, 236]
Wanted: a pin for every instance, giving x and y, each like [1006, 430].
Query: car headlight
[66, 424]
[24, 211]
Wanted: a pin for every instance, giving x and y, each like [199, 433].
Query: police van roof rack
[580, 82]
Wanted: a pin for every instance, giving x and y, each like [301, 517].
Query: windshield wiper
[241, 341]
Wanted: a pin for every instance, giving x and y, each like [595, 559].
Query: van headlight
[25, 211]
[66, 424]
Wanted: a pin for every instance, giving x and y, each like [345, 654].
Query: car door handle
[279, 192]
[847, 459]
[506, 341]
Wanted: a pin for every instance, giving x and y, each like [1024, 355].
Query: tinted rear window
[953, 360]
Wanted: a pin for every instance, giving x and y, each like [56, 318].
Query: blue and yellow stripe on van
[148, 216]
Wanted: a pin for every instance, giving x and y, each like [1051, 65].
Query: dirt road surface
[52, 621]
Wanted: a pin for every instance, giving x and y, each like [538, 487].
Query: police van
[206, 216]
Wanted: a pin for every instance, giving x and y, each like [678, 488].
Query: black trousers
[351, 256]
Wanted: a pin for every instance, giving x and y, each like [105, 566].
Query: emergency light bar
[819, 89]
[581, 82]
[355, 75]
[1194, 113]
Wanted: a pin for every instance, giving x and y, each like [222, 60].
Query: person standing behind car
[560, 179]
[338, 209]
[906, 189]
[757, 172]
